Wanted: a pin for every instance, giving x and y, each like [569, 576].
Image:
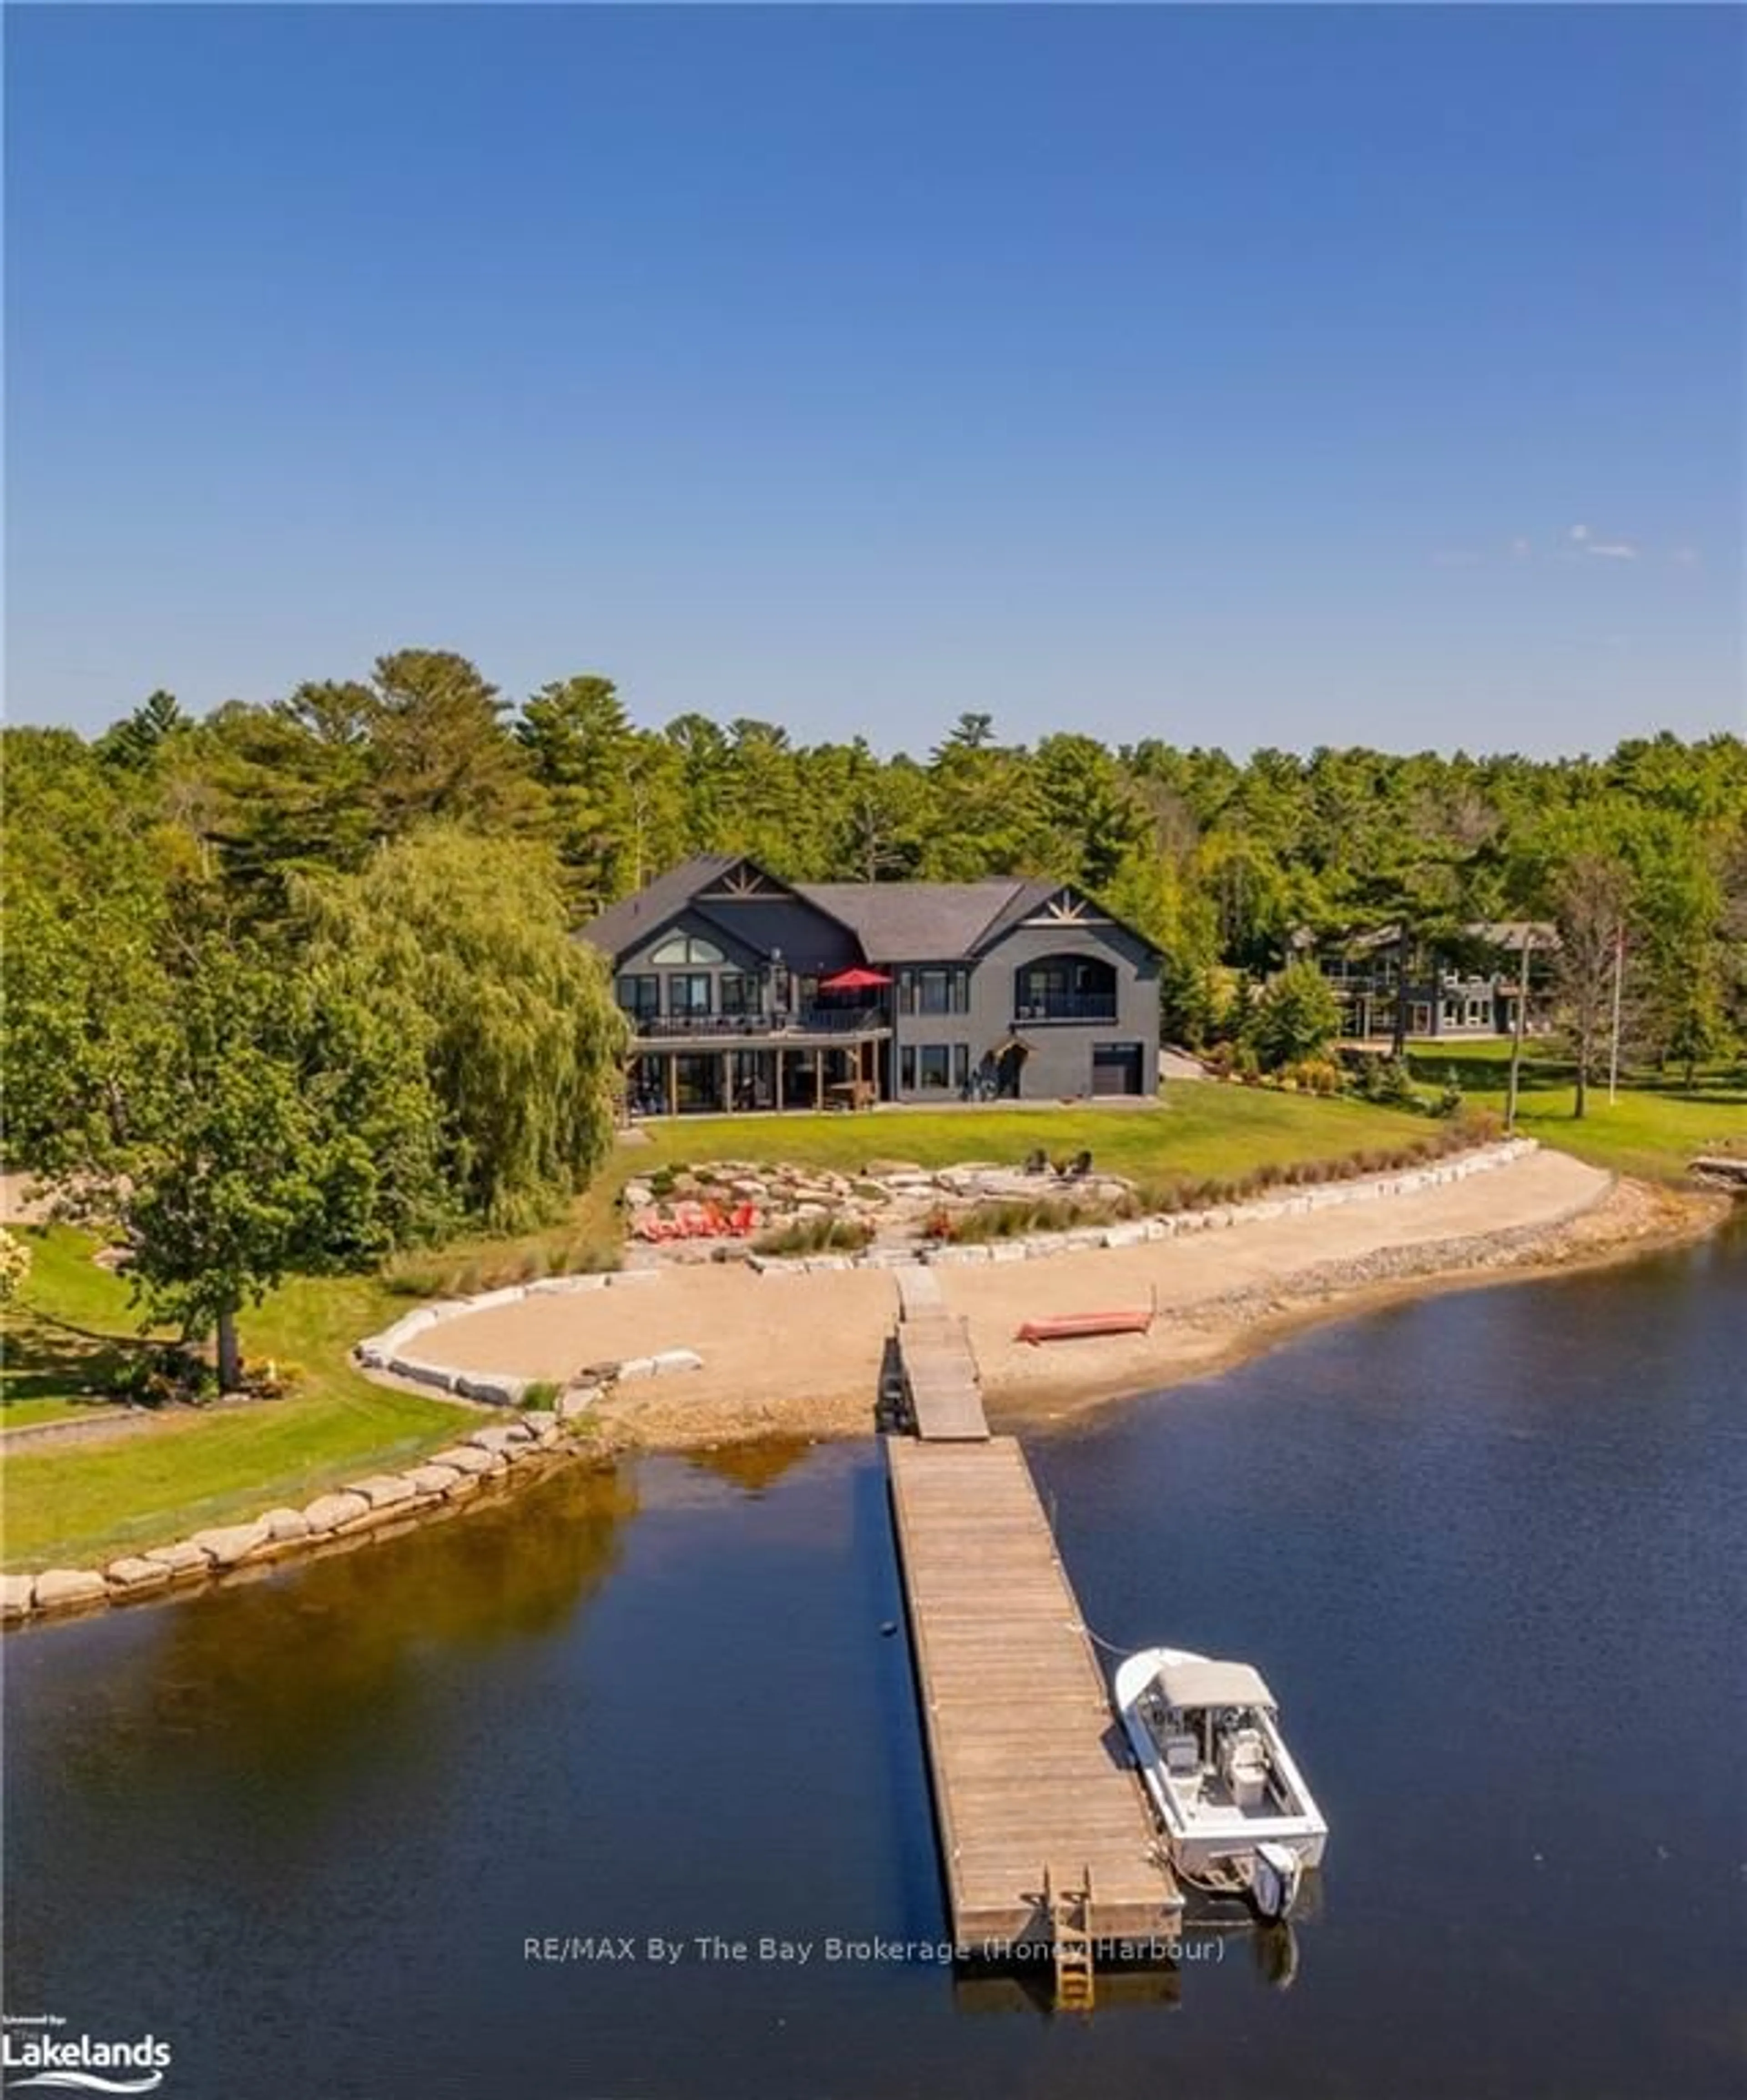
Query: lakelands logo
[37, 2055]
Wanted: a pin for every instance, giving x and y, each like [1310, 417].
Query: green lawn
[78, 1505]
[74, 1506]
[1654, 1130]
[1198, 1129]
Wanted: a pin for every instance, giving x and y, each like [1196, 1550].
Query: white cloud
[1616, 550]
[1686, 557]
[1520, 549]
[1578, 534]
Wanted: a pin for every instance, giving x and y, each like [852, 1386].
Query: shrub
[1297, 1017]
[169, 1376]
[1448, 1102]
[272, 1379]
[541, 1393]
[1314, 1076]
[408, 1277]
[1476, 1126]
[15, 1265]
[815, 1235]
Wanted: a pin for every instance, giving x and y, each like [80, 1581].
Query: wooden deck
[1031, 1779]
[942, 1386]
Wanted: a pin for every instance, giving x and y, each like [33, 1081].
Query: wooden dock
[1046, 1835]
[942, 1390]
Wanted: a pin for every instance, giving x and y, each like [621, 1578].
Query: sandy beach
[786, 1353]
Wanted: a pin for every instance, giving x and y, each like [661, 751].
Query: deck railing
[808, 1021]
[1067, 1006]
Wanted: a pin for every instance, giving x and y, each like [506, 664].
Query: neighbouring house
[746, 992]
[1468, 988]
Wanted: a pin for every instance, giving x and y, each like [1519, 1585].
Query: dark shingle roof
[899, 922]
[622, 925]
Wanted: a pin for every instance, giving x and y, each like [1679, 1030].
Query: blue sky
[1244, 375]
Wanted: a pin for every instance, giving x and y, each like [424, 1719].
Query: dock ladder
[1070, 1913]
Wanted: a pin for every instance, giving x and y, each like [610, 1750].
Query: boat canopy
[1201, 1681]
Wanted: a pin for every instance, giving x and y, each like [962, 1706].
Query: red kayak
[1069, 1326]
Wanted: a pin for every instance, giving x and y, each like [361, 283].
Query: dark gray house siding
[1040, 1006]
[1014, 988]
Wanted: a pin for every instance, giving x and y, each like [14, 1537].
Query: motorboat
[1237, 1817]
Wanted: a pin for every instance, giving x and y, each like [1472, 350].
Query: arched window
[685, 948]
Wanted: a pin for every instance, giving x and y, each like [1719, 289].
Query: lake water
[1486, 1548]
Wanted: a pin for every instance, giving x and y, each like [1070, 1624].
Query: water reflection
[287, 1673]
[755, 1466]
[1480, 1544]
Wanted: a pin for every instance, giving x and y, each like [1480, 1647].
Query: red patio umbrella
[855, 980]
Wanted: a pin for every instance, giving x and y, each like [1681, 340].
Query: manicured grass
[1198, 1128]
[75, 1505]
[1654, 1130]
[67, 1334]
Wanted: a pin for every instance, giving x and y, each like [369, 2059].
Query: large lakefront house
[1467, 987]
[746, 992]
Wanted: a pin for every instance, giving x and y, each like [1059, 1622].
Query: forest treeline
[299, 972]
[1219, 860]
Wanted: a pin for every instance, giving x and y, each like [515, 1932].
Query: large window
[640, 995]
[933, 1068]
[738, 992]
[688, 992]
[686, 948]
[937, 989]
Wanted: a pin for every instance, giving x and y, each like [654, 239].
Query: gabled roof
[899, 922]
[894, 922]
[633, 919]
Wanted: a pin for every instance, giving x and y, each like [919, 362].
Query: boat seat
[1182, 1754]
[1246, 1763]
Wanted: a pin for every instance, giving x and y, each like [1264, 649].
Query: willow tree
[522, 1042]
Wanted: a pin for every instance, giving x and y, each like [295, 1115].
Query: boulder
[576, 1399]
[57, 1587]
[134, 1571]
[538, 1420]
[383, 1490]
[496, 1439]
[286, 1524]
[328, 1512]
[419, 1373]
[17, 1594]
[464, 1458]
[492, 1388]
[184, 1558]
[226, 1544]
[434, 1480]
[675, 1359]
[509, 1294]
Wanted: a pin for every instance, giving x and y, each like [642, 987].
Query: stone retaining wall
[474, 1462]
[1322, 1195]
[387, 1351]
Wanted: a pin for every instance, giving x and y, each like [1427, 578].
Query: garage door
[1116, 1068]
